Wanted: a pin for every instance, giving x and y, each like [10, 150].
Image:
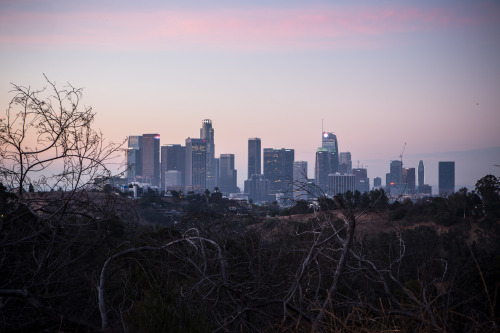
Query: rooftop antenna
[322, 126]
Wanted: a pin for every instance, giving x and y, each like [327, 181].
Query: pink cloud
[233, 29]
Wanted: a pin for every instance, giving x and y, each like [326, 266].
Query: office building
[377, 182]
[345, 163]
[446, 178]
[254, 157]
[421, 179]
[278, 168]
[132, 162]
[409, 179]
[173, 157]
[300, 181]
[228, 175]
[134, 157]
[173, 180]
[425, 189]
[151, 159]
[196, 165]
[362, 180]
[323, 167]
[396, 172]
[207, 134]
[329, 141]
[257, 188]
[341, 183]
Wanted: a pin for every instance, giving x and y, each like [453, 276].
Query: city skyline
[378, 75]
[399, 171]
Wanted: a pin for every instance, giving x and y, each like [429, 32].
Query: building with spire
[329, 141]
[207, 134]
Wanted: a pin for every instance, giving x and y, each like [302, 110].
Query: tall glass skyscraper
[134, 157]
[227, 174]
[421, 180]
[322, 169]
[151, 159]
[254, 157]
[173, 157]
[446, 178]
[278, 168]
[396, 175]
[207, 134]
[329, 141]
[345, 163]
[196, 165]
[300, 181]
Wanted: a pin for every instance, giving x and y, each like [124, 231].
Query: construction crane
[401, 155]
[401, 158]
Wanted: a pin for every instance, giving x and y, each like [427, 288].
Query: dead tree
[47, 141]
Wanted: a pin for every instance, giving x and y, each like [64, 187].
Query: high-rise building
[278, 168]
[409, 179]
[341, 183]
[362, 180]
[151, 159]
[257, 188]
[132, 162]
[345, 163]
[446, 178]
[254, 157]
[172, 180]
[173, 157]
[323, 167]
[421, 179]
[388, 180]
[228, 175]
[207, 134]
[196, 165]
[396, 172]
[377, 182]
[300, 181]
[425, 189]
[329, 141]
[134, 157]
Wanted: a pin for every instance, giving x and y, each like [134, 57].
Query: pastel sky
[378, 73]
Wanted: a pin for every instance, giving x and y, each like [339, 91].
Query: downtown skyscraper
[300, 181]
[134, 157]
[254, 157]
[421, 175]
[327, 161]
[151, 159]
[207, 135]
[446, 178]
[173, 158]
[329, 141]
[196, 165]
[278, 169]
[227, 174]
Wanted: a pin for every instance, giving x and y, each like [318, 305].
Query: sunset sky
[378, 73]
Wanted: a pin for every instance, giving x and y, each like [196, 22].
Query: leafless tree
[47, 143]
[47, 140]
